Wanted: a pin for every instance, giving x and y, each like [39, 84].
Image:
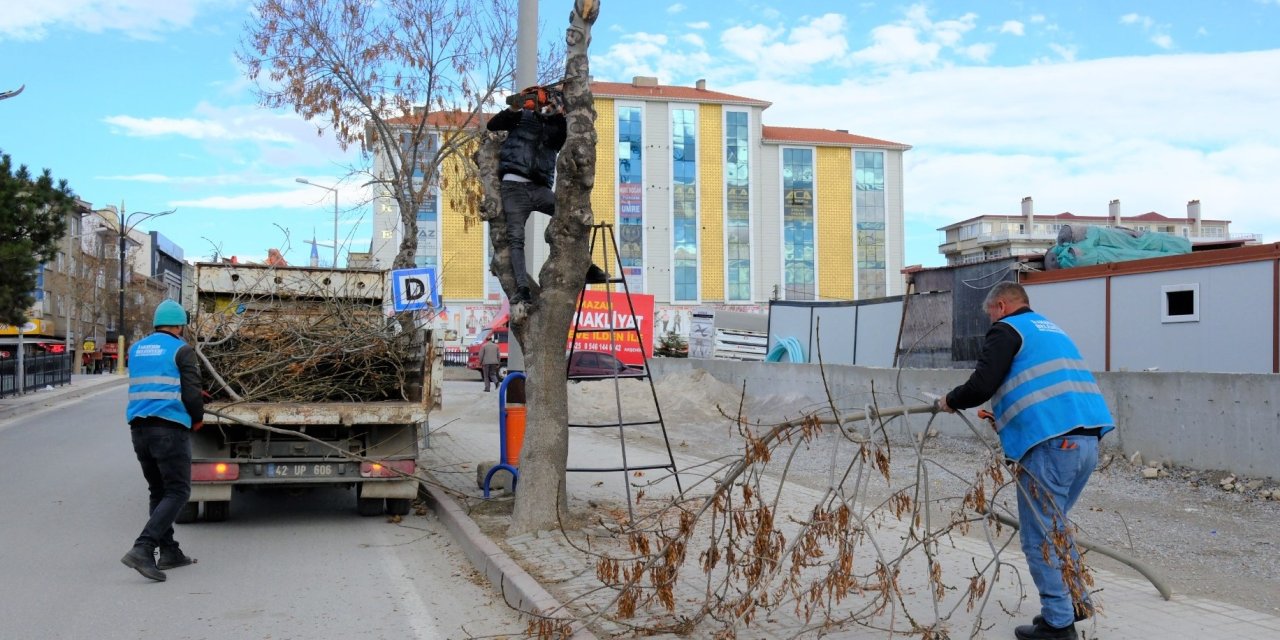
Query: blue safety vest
[155, 384]
[1049, 390]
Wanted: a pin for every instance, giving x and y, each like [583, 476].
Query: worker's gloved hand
[197, 426]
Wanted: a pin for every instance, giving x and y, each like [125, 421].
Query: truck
[497, 328]
[313, 353]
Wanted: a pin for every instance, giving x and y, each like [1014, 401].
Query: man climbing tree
[541, 327]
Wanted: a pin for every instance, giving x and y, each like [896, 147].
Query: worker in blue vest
[165, 405]
[1049, 415]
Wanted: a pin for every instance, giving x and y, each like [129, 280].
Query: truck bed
[320, 413]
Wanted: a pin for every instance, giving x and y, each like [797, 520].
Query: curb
[39, 402]
[518, 588]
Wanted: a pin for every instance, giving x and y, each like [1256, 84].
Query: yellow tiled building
[710, 206]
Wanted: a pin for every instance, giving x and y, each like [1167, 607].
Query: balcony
[1009, 237]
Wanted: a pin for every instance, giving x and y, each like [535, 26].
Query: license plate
[301, 470]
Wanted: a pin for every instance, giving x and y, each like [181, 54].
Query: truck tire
[188, 513]
[398, 506]
[369, 507]
[217, 510]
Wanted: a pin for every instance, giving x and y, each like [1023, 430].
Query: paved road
[283, 566]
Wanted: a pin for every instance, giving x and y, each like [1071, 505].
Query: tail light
[386, 469]
[214, 471]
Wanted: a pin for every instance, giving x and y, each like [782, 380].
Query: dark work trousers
[519, 199]
[490, 373]
[165, 456]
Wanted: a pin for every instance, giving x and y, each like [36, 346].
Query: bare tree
[542, 326]
[405, 80]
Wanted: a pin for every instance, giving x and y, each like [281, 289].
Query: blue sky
[1075, 104]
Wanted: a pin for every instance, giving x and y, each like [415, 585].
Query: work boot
[173, 558]
[596, 275]
[143, 560]
[522, 296]
[1080, 617]
[1039, 630]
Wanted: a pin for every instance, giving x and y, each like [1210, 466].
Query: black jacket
[999, 347]
[532, 144]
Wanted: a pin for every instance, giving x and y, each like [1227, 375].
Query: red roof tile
[667, 92]
[826, 137]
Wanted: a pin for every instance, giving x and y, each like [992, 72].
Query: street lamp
[335, 215]
[123, 228]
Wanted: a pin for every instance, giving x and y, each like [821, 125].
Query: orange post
[515, 433]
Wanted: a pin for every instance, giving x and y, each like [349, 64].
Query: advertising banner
[601, 311]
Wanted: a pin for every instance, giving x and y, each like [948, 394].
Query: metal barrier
[455, 356]
[40, 371]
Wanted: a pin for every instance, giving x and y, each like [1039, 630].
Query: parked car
[586, 365]
[473, 350]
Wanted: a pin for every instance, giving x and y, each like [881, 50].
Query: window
[869, 212]
[684, 204]
[631, 196]
[1180, 303]
[799, 270]
[737, 171]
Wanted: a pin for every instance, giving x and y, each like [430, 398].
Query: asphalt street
[283, 566]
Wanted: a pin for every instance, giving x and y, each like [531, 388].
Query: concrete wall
[1199, 420]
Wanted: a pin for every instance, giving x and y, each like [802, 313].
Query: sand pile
[687, 397]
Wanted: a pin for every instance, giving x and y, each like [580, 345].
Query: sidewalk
[467, 435]
[80, 386]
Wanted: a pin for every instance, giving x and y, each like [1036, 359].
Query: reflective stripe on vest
[1048, 391]
[155, 383]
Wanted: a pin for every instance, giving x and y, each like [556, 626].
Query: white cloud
[1132, 18]
[693, 39]
[979, 52]
[919, 41]
[135, 18]
[194, 128]
[775, 50]
[1153, 131]
[1036, 19]
[1064, 53]
[288, 195]
[1159, 33]
[676, 8]
[648, 54]
[699, 26]
[1013, 26]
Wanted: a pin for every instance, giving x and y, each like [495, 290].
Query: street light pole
[123, 229]
[335, 215]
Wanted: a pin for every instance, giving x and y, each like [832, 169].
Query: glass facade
[428, 215]
[737, 176]
[799, 282]
[869, 211]
[684, 204]
[631, 197]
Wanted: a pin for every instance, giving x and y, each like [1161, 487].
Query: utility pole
[123, 228]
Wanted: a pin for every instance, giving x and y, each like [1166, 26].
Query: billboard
[599, 311]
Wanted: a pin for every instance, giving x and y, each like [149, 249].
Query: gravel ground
[1202, 539]
[1206, 542]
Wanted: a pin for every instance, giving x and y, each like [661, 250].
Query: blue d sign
[414, 289]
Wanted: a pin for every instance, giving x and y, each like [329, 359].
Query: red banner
[600, 312]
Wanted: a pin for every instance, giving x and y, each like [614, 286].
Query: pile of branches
[319, 350]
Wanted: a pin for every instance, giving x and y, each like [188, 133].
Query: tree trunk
[541, 499]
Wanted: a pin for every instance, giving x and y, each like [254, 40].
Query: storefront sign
[600, 312]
